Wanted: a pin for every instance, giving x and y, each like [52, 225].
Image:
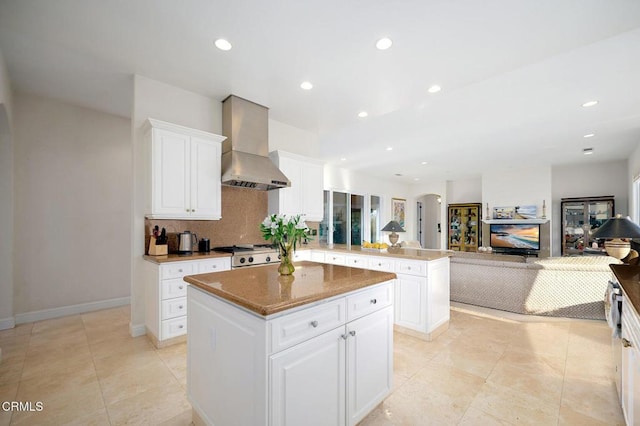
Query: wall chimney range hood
[245, 161]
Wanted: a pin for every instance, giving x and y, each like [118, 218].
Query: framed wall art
[398, 210]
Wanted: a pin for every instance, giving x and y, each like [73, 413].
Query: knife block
[157, 250]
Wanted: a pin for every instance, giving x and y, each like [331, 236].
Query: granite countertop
[398, 252]
[262, 291]
[184, 257]
[629, 278]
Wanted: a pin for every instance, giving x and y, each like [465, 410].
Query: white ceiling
[514, 73]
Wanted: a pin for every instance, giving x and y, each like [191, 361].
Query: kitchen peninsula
[312, 348]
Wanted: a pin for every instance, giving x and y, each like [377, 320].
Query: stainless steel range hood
[245, 161]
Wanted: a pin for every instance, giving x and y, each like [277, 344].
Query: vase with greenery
[286, 232]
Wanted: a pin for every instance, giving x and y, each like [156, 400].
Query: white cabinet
[422, 293]
[327, 364]
[630, 385]
[305, 195]
[166, 296]
[184, 172]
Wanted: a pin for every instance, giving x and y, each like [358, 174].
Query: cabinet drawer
[356, 261]
[297, 327]
[170, 289]
[174, 308]
[317, 256]
[381, 264]
[174, 327]
[214, 265]
[177, 270]
[370, 300]
[335, 258]
[302, 255]
[411, 267]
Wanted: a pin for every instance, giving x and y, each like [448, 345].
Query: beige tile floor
[485, 370]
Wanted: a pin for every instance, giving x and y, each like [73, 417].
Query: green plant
[284, 230]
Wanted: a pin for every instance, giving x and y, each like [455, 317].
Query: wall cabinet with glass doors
[580, 218]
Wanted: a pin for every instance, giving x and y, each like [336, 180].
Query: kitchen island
[313, 348]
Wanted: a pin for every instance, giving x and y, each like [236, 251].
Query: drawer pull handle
[193, 210]
[214, 266]
[626, 343]
[379, 264]
[180, 287]
[352, 332]
[180, 307]
[181, 326]
[179, 270]
[409, 267]
[344, 336]
[314, 324]
[373, 301]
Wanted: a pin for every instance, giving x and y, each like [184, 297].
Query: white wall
[607, 178]
[164, 102]
[464, 191]
[7, 201]
[291, 139]
[72, 205]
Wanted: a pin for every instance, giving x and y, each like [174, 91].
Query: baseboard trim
[137, 330]
[6, 323]
[70, 310]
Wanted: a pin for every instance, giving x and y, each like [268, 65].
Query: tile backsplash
[242, 212]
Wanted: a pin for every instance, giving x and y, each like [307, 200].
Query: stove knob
[268, 259]
[250, 259]
[242, 260]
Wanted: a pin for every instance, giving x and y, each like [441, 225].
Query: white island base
[324, 363]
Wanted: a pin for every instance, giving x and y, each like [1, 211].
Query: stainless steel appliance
[186, 241]
[244, 255]
[613, 312]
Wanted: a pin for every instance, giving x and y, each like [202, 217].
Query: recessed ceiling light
[589, 135]
[423, 163]
[343, 159]
[587, 151]
[306, 85]
[589, 104]
[434, 89]
[389, 148]
[362, 114]
[384, 43]
[416, 178]
[223, 44]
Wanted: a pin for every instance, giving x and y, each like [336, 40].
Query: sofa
[571, 287]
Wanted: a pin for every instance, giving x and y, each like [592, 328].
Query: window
[350, 218]
[636, 199]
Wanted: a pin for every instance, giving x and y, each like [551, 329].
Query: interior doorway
[429, 214]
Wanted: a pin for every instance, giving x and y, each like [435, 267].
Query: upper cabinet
[305, 195]
[184, 172]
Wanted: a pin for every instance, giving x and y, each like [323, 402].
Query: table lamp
[392, 227]
[617, 228]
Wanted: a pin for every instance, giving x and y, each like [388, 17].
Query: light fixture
[384, 43]
[392, 227]
[617, 228]
[416, 179]
[343, 159]
[306, 85]
[434, 89]
[589, 104]
[423, 163]
[589, 135]
[362, 114]
[587, 151]
[389, 148]
[223, 44]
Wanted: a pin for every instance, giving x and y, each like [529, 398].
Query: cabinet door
[205, 179]
[410, 302]
[308, 382]
[290, 202]
[369, 363]
[312, 192]
[170, 174]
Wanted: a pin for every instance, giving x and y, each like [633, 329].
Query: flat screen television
[517, 237]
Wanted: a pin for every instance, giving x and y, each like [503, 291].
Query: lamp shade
[618, 227]
[393, 226]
